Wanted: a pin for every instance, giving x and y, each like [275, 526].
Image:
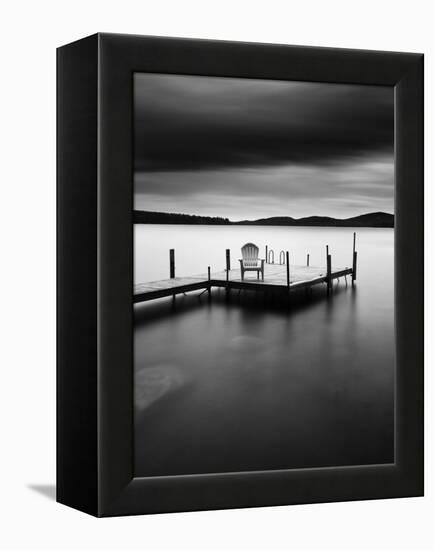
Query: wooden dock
[279, 277]
[274, 280]
[168, 287]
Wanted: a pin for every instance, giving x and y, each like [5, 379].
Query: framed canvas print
[240, 275]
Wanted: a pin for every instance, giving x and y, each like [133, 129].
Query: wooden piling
[287, 269]
[354, 274]
[266, 253]
[208, 288]
[172, 262]
[329, 273]
[354, 267]
[228, 263]
[307, 261]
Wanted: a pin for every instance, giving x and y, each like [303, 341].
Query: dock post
[266, 253]
[287, 269]
[307, 261]
[288, 280]
[329, 273]
[208, 286]
[172, 263]
[354, 274]
[228, 263]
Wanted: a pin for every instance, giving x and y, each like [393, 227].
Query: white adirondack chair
[250, 260]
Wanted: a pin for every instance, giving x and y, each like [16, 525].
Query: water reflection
[155, 382]
[241, 382]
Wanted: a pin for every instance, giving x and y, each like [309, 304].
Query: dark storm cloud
[341, 189]
[185, 123]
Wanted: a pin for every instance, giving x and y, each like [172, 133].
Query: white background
[30, 32]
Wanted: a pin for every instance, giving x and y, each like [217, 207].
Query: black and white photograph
[217, 254]
[263, 274]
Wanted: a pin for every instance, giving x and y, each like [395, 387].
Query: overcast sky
[245, 149]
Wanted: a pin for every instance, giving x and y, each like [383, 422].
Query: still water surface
[248, 384]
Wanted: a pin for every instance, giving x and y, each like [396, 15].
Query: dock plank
[166, 284]
[275, 274]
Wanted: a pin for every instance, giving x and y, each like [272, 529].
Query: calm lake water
[244, 383]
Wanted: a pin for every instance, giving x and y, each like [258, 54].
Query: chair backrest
[250, 253]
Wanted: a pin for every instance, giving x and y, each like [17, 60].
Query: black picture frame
[95, 274]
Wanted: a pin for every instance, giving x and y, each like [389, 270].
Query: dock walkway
[275, 279]
[281, 277]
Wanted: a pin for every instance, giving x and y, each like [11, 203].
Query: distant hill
[143, 216]
[373, 219]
